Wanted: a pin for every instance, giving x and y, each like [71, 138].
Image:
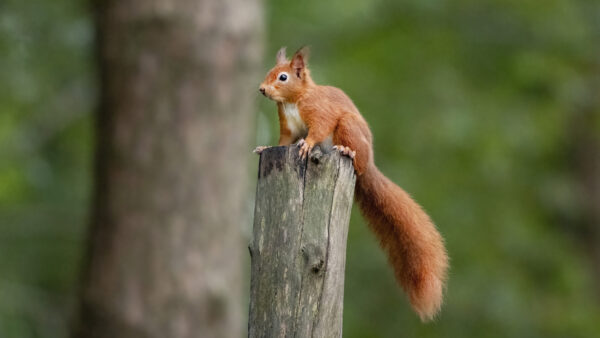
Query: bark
[299, 244]
[173, 134]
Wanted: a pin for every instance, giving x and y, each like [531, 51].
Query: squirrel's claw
[258, 150]
[345, 151]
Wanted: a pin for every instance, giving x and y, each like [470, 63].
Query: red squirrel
[312, 114]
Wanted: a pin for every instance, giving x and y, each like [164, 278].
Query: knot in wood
[314, 258]
[316, 155]
[317, 266]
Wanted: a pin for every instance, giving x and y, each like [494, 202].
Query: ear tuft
[281, 56]
[299, 60]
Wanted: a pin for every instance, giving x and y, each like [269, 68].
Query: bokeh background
[487, 112]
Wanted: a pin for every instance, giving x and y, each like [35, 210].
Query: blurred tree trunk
[178, 81]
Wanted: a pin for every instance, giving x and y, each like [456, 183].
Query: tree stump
[298, 252]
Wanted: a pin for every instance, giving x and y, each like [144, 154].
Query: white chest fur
[294, 122]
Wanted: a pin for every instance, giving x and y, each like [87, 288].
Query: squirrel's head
[288, 79]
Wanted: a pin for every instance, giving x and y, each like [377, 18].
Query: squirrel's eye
[282, 77]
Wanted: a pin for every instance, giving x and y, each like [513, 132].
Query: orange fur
[414, 247]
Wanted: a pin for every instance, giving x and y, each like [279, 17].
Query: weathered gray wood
[299, 244]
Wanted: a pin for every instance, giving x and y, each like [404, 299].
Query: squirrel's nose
[262, 90]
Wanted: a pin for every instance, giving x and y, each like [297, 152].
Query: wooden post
[298, 252]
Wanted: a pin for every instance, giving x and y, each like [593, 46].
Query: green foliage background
[470, 103]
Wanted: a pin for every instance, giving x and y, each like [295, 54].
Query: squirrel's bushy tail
[414, 247]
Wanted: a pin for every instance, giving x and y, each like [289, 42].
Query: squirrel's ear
[299, 60]
[281, 56]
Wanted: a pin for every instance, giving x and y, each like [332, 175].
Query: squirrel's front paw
[258, 150]
[345, 151]
[305, 148]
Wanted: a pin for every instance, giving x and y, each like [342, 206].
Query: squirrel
[312, 114]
